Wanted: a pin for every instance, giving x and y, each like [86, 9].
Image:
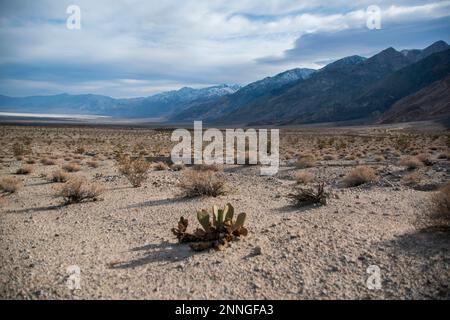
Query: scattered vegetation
[135, 170]
[218, 235]
[9, 185]
[77, 190]
[359, 176]
[202, 183]
[411, 162]
[58, 176]
[48, 162]
[25, 170]
[160, 166]
[72, 167]
[307, 161]
[307, 196]
[303, 177]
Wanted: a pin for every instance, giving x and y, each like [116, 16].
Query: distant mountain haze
[391, 86]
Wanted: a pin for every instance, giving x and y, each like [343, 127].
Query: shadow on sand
[163, 252]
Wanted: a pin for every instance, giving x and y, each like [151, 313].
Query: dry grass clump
[177, 167]
[160, 166]
[58, 176]
[444, 156]
[9, 185]
[135, 170]
[379, 158]
[30, 161]
[93, 164]
[307, 196]
[359, 176]
[329, 157]
[412, 179]
[303, 177]
[48, 162]
[206, 167]
[78, 190]
[440, 207]
[72, 167]
[306, 161]
[202, 183]
[25, 170]
[425, 158]
[411, 162]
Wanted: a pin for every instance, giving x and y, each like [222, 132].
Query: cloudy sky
[134, 48]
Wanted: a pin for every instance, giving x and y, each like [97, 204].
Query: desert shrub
[71, 167]
[379, 158]
[10, 185]
[80, 150]
[160, 166]
[177, 167]
[306, 196]
[329, 157]
[412, 179]
[306, 161]
[411, 162]
[303, 177]
[58, 176]
[206, 167]
[92, 164]
[359, 176]
[444, 156]
[135, 170]
[48, 162]
[78, 190]
[425, 158]
[30, 161]
[440, 207]
[25, 170]
[402, 142]
[20, 149]
[202, 183]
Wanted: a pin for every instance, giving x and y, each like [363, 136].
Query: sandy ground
[306, 253]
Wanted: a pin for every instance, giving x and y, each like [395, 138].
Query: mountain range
[391, 86]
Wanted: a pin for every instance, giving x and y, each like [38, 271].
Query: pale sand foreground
[125, 249]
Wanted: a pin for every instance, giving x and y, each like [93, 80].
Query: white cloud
[186, 42]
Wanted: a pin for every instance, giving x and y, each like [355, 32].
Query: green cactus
[218, 235]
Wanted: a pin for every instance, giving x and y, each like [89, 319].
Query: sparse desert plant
[80, 150]
[58, 176]
[9, 185]
[439, 215]
[306, 161]
[303, 196]
[71, 167]
[206, 167]
[20, 149]
[30, 161]
[48, 162]
[160, 166]
[92, 164]
[411, 162]
[303, 177]
[77, 190]
[329, 157]
[202, 183]
[444, 156]
[359, 176]
[135, 170]
[177, 167]
[412, 179]
[379, 158]
[25, 170]
[425, 158]
[218, 234]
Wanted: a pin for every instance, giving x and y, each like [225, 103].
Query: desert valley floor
[123, 242]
